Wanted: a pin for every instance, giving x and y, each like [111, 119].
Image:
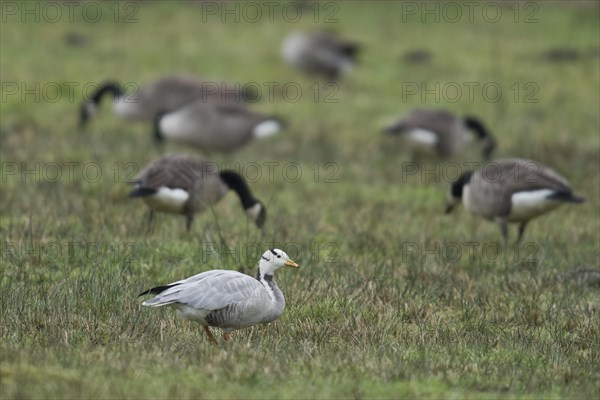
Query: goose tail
[566, 197]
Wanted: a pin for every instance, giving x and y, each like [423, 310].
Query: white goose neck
[271, 287]
[265, 267]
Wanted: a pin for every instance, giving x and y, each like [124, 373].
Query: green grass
[370, 312]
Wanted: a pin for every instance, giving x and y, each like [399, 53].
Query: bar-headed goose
[214, 127]
[164, 94]
[187, 184]
[320, 53]
[439, 133]
[511, 190]
[227, 299]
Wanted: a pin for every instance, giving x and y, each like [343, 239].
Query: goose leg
[503, 228]
[226, 336]
[211, 338]
[189, 221]
[150, 219]
[521, 231]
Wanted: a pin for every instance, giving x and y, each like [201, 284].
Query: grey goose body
[186, 184]
[438, 133]
[227, 299]
[320, 53]
[165, 94]
[214, 127]
[511, 190]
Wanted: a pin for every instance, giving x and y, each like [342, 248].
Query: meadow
[393, 298]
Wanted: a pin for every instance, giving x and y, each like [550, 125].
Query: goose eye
[278, 256]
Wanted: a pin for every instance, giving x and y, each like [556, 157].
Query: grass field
[393, 298]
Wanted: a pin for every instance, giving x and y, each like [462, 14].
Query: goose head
[272, 260]
[90, 107]
[86, 111]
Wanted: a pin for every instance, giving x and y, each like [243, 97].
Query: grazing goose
[582, 276]
[214, 127]
[227, 299]
[511, 190]
[165, 94]
[186, 184]
[439, 133]
[320, 53]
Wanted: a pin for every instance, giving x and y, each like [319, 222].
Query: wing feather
[176, 172]
[439, 121]
[518, 175]
[211, 290]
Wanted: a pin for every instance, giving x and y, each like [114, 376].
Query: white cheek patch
[125, 108]
[468, 138]
[254, 211]
[91, 109]
[293, 47]
[168, 200]
[466, 198]
[526, 205]
[346, 66]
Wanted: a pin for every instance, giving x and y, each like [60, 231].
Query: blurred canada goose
[417, 56]
[320, 53]
[582, 276]
[560, 54]
[439, 133]
[165, 94]
[227, 299]
[186, 184]
[76, 39]
[511, 190]
[214, 127]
